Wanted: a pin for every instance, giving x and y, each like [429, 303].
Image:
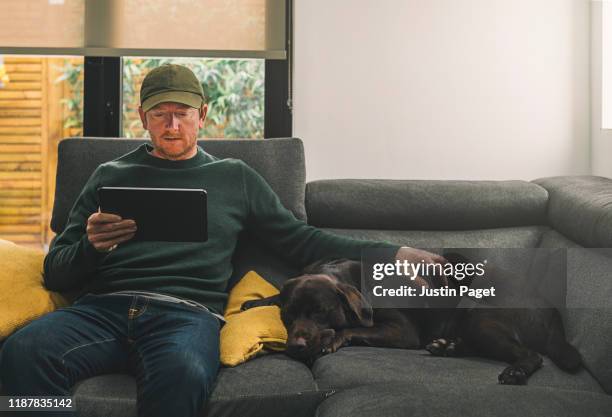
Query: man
[154, 309]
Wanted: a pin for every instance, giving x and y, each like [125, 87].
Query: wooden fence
[31, 126]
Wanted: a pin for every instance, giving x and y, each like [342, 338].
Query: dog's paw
[443, 347]
[513, 375]
[331, 341]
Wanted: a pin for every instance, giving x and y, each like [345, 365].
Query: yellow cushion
[23, 297]
[249, 333]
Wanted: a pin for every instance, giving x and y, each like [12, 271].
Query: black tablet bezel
[161, 214]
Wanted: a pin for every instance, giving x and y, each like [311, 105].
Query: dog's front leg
[390, 335]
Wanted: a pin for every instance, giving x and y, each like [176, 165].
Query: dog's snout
[299, 342]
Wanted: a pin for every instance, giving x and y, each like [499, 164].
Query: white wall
[442, 89]
[601, 139]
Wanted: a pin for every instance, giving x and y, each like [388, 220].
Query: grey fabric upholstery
[424, 205]
[588, 320]
[581, 208]
[458, 400]
[360, 381]
[355, 366]
[258, 388]
[83, 156]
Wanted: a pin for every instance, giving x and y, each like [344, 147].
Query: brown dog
[323, 311]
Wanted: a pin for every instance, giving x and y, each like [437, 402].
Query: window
[42, 99]
[40, 103]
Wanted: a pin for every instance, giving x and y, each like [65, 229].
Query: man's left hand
[413, 255]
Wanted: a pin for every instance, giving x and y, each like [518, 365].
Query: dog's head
[311, 305]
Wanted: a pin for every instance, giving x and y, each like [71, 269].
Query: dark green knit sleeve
[72, 259]
[282, 231]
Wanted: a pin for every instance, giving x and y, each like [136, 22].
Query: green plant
[71, 73]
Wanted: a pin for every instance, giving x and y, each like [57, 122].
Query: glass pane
[234, 89]
[40, 103]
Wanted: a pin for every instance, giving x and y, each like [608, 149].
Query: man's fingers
[115, 234]
[98, 227]
[439, 259]
[104, 218]
[106, 245]
[421, 282]
[110, 227]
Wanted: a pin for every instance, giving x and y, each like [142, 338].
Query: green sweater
[238, 198]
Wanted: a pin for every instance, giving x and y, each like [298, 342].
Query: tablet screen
[161, 214]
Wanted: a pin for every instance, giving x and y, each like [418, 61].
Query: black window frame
[102, 92]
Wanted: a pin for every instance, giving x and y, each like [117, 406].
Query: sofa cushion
[424, 205]
[580, 207]
[355, 366]
[23, 297]
[589, 318]
[463, 400]
[260, 387]
[82, 155]
[511, 237]
[247, 334]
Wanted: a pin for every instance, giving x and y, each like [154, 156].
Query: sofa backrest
[279, 161]
[424, 204]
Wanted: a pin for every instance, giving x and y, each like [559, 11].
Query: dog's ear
[359, 310]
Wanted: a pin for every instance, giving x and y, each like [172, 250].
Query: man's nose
[173, 122]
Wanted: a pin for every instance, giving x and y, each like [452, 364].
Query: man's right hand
[105, 231]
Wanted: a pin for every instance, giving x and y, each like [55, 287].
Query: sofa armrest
[580, 207]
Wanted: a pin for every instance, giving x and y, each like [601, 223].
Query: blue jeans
[171, 349]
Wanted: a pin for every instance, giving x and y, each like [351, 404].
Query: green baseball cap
[171, 82]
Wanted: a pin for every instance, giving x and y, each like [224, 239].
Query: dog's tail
[559, 350]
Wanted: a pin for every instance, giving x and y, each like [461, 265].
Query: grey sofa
[560, 212]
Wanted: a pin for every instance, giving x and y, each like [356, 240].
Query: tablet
[161, 214]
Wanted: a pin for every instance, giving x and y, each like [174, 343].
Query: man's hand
[105, 231]
[413, 255]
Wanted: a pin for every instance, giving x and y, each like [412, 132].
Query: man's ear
[358, 309]
[143, 117]
[203, 111]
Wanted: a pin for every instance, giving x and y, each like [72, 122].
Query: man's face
[174, 129]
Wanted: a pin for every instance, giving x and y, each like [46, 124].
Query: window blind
[212, 28]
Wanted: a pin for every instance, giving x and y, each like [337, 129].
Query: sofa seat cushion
[509, 237]
[260, 387]
[355, 366]
[463, 400]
